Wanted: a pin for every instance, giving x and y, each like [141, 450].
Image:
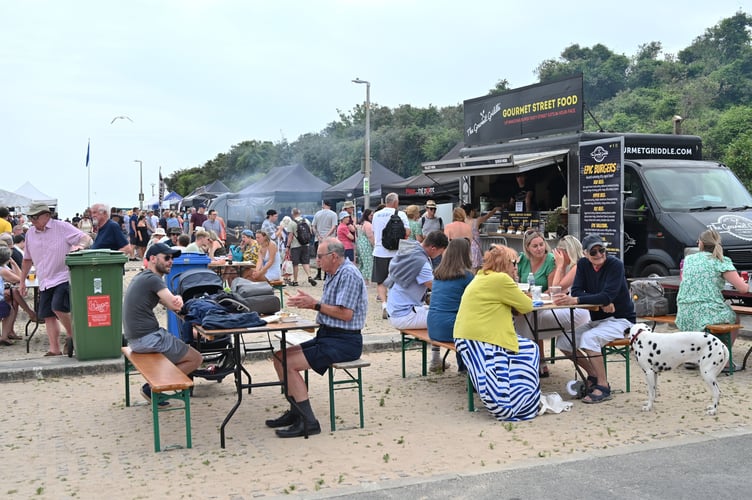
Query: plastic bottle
[531, 280]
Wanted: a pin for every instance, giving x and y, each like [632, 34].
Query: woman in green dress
[364, 245]
[700, 301]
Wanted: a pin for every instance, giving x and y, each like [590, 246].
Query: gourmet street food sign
[531, 111]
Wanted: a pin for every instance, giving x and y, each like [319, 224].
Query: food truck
[649, 196]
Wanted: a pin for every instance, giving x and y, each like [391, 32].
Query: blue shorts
[4, 309]
[332, 345]
[53, 299]
[162, 341]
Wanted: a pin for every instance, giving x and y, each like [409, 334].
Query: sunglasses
[431, 208]
[514, 262]
[596, 251]
[35, 217]
[166, 256]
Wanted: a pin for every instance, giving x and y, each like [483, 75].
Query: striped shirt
[48, 248]
[347, 289]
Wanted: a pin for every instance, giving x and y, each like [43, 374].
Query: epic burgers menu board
[601, 181]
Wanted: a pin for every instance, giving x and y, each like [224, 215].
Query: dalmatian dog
[658, 352]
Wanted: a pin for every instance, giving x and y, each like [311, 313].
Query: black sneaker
[146, 393]
[287, 419]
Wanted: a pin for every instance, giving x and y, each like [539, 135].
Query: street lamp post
[140, 183]
[367, 164]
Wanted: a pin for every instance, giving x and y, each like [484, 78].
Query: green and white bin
[96, 295]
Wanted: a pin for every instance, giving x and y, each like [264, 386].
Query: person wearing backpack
[299, 235]
[387, 233]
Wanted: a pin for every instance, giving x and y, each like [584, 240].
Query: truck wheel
[658, 269]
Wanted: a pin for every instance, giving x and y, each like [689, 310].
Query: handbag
[286, 267]
[237, 253]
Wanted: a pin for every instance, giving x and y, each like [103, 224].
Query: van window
[690, 188]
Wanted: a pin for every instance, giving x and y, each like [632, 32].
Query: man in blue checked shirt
[341, 316]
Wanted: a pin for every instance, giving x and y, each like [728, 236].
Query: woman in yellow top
[502, 365]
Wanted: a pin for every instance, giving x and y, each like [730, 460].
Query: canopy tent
[171, 199]
[204, 194]
[282, 188]
[30, 191]
[15, 202]
[420, 188]
[352, 187]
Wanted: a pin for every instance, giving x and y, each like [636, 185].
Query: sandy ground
[74, 437]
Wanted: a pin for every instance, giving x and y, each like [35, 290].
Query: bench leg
[352, 382]
[182, 395]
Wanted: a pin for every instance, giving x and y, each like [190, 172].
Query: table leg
[238, 388]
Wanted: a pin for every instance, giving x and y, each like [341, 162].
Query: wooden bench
[348, 367]
[620, 347]
[420, 335]
[166, 381]
[723, 331]
[668, 319]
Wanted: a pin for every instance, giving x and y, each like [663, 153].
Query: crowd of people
[427, 274]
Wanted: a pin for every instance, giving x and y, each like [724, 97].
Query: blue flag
[88, 146]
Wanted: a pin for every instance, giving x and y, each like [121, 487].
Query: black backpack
[303, 233]
[393, 232]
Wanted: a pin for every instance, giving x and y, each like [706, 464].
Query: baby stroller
[218, 359]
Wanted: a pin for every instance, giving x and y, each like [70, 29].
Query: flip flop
[6, 342]
[13, 336]
[50, 353]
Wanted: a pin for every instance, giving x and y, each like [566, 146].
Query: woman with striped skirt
[502, 366]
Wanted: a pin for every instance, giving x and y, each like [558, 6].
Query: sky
[195, 77]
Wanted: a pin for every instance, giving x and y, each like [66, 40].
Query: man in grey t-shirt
[140, 324]
[324, 226]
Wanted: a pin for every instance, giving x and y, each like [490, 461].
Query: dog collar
[632, 341]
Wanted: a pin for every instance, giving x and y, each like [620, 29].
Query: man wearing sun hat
[48, 241]
[140, 325]
[429, 222]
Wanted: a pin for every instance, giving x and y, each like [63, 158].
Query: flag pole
[88, 175]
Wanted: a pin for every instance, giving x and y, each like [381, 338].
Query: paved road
[713, 468]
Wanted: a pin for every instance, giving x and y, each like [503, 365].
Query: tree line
[708, 84]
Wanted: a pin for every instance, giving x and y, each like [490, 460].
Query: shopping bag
[286, 267]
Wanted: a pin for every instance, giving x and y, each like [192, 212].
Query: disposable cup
[554, 290]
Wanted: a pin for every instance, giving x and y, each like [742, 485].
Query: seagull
[121, 117]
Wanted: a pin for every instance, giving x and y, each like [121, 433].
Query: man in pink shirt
[48, 241]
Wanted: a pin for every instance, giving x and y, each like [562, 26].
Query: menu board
[601, 181]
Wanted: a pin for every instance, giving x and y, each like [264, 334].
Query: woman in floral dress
[700, 301]
[364, 245]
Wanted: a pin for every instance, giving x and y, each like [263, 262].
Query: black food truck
[649, 196]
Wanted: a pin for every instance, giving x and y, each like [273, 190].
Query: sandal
[50, 353]
[605, 395]
[294, 283]
[591, 382]
[13, 336]
[6, 342]
[543, 372]
[312, 281]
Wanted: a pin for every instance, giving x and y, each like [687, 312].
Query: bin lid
[191, 258]
[95, 257]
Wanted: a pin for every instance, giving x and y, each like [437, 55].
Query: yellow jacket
[485, 312]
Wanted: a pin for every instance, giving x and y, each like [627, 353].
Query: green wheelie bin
[96, 295]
